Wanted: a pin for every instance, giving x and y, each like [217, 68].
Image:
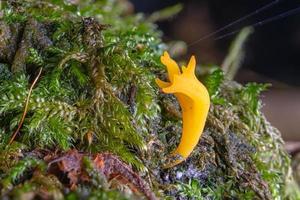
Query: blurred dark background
[272, 51]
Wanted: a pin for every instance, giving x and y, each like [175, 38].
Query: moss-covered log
[96, 94]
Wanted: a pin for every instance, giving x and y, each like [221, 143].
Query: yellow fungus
[194, 101]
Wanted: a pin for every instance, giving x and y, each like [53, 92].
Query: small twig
[25, 107]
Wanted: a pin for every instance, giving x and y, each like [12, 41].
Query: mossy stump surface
[93, 124]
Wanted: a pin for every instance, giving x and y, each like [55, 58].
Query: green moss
[97, 93]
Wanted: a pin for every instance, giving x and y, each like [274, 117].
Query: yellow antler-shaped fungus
[194, 101]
